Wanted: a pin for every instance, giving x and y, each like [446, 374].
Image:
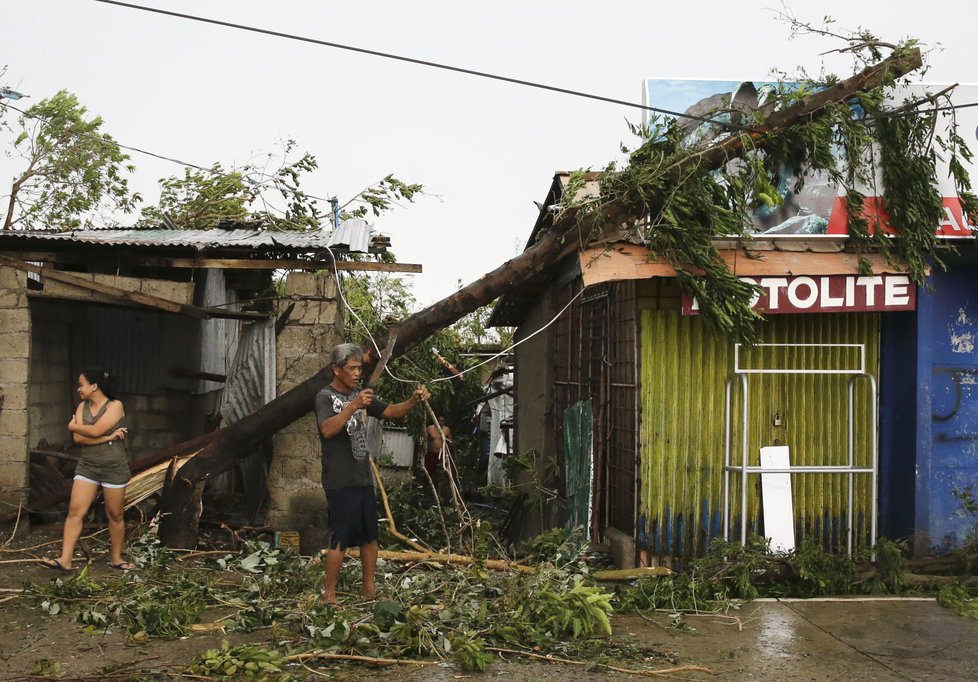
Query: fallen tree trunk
[946, 564]
[438, 557]
[178, 527]
[624, 575]
[179, 450]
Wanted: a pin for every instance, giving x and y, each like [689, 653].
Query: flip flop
[55, 565]
[123, 566]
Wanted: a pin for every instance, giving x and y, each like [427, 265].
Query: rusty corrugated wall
[683, 372]
[595, 360]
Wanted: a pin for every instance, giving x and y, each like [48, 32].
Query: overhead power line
[421, 62]
[116, 143]
[449, 67]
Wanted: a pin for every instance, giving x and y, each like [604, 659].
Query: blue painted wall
[947, 407]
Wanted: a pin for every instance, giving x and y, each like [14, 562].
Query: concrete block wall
[296, 498]
[15, 350]
[177, 292]
[156, 422]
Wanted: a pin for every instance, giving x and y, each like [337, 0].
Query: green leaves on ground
[448, 614]
[960, 599]
[240, 661]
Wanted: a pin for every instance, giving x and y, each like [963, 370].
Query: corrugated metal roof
[355, 233]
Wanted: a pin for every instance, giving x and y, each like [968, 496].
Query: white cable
[349, 308]
[373, 342]
[507, 350]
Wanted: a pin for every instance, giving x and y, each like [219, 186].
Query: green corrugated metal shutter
[683, 372]
[579, 451]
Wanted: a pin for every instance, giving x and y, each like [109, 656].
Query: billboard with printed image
[818, 209]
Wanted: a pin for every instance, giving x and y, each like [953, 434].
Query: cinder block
[14, 423]
[297, 444]
[296, 338]
[14, 370]
[301, 467]
[329, 286]
[10, 298]
[14, 396]
[13, 448]
[298, 369]
[167, 403]
[11, 499]
[13, 475]
[179, 292]
[15, 345]
[622, 548]
[303, 284]
[152, 421]
[12, 278]
[291, 511]
[15, 320]
[313, 312]
[62, 289]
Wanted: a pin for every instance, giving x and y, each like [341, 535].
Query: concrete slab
[839, 639]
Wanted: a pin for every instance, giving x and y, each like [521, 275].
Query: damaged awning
[618, 262]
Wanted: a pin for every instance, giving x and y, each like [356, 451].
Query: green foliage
[960, 599]
[203, 199]
[730, 574]
[255, 557]
[381, 197]
[575, 612]
[469, 653]
[49, 668]
[72, 168]
[418, 520]
[146, 551]
[968, 507]
[557, 546]
[689, 203]
[163, 610]
[448, 614]
[250, 662]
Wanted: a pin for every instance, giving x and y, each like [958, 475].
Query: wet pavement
[831, 639]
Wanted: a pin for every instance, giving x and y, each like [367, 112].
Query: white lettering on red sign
[829, 293]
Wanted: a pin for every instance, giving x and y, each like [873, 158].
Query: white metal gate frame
[740, 375]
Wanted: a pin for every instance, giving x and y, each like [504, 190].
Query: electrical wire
[445, 67]
[111, 141]
[509, 349]
[376, 346]
[423, 62]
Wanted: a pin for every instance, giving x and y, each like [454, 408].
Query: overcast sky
[484, 150]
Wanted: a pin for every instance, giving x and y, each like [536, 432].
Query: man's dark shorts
[352, 516]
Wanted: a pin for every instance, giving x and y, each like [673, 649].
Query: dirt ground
[844, 639]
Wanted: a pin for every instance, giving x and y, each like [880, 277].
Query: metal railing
[850, 468]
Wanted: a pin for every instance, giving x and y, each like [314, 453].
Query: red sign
[954, 224]
[826, 294]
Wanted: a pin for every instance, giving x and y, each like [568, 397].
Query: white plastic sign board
[779, 525]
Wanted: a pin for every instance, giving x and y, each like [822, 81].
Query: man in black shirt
[342, 408]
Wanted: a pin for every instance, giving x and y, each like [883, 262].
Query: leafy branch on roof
[693, 183]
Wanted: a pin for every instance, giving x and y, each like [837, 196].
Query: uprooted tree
[684, 197]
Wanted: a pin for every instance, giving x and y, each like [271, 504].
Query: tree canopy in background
[204, 198]
[72, 168]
